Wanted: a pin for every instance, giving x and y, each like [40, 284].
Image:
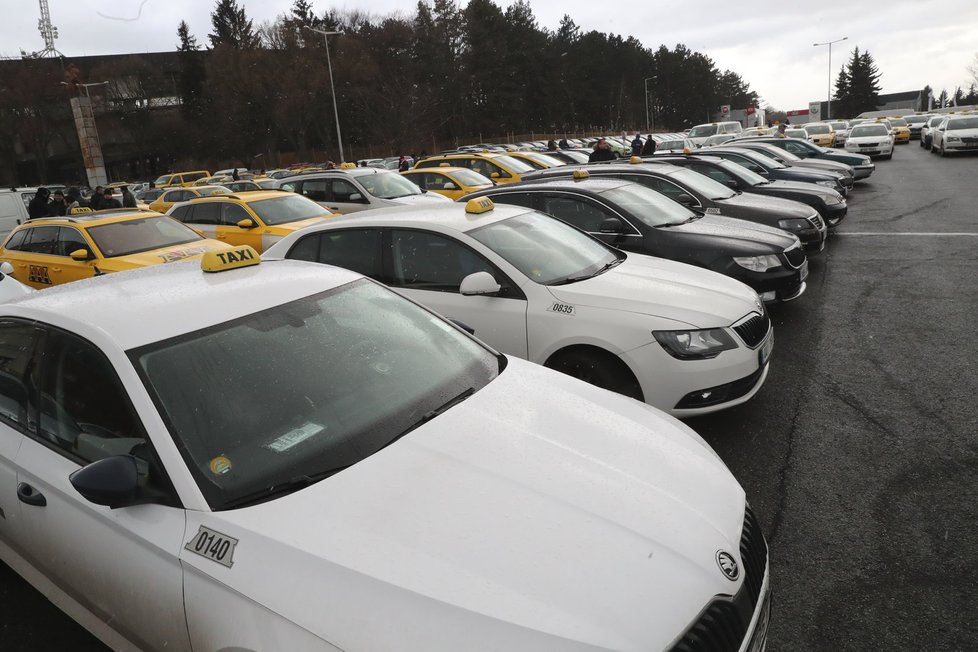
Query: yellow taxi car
[164, 202]
[501, 168]
[537, 160]
[258, 219]
[452, 182]
[901, 130]
[214, 180]
[54, 250]
[820, 133]
[174, 179]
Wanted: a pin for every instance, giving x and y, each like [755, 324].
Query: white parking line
[912, 233]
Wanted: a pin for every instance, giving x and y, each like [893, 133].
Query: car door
[429, 267]
[229, 231]
[346, 197]
[66, 269]
[33, 256]
[203, 217]
[120, 564]
[587, 214]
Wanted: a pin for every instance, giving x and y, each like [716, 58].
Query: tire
[887, 157]
[942, 152]
[597, 367]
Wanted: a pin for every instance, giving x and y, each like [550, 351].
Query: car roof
[158, 302]
[94, 218]
[447, 168]
[245, 196]
[592, 184]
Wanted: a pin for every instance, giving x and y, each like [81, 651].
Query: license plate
[872, 152]
[803, 271]
[765, 351]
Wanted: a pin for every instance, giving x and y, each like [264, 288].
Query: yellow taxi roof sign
[687, 150]
[225, 259]
[635, 160]
[80, 209]
[445, 164]
[479, 205]
[581, 174]
[347, 166]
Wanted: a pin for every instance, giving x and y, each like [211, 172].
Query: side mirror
[80, 255]
[356, 197]
[246, 223]
[479, 284]
[6, 268]
[111, 481]
[611, 225]
[449, 186]
[494, 175]
[685, 200]
[730, 183]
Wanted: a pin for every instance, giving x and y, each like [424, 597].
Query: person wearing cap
[128, 199]
[95, 199]
[637, 144]
[58, 207]
[602, 152]
[108, 201]
[38, 206]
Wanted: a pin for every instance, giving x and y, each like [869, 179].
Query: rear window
[193, 176]
[702, 131]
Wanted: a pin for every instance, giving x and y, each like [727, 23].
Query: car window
[16, 241]
[17, 342]
[342, 191]
[69, 240]
[314, 189]
[42, 240]
[173, 196]
[387, 185]
[797, 149]
[356, 249]
[582, 212]
[667, 188]
[206, 213]
[516, 198]
[714, 173]
[429, 261]
[231, 214]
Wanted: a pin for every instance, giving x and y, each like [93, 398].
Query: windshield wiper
[431, 414]
[584, 277]
[282, 488]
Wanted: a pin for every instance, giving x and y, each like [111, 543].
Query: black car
[829, 204]
[788, 159]
[634, 218]
[862, 166]
[700, 193]
[770, 168]
[570, 156]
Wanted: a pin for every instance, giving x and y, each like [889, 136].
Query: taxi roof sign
[635, 160]
[80, 209]
[225, 259]
[347, 166]
[479, 205]
[580, 174]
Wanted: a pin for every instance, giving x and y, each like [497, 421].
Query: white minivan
[700, 133]
[13, 207]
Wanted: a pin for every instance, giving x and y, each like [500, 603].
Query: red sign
[750, 110]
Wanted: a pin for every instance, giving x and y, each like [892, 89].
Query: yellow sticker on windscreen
[220, 465]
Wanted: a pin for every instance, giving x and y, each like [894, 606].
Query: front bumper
[863, 171]
[834, 213]
[960, 146]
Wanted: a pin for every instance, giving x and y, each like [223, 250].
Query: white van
[13, 207]
[700, 133]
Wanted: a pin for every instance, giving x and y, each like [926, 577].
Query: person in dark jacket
[637, 144]
[128, 199]
[563, 144]
[95, 200]
[108, 201]
[58, 207]
[602, 152]
[38, 206]
[551, 145]
[648, 149]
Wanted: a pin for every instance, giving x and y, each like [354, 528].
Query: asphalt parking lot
[858, 454]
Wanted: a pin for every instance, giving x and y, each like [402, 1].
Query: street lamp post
[648, 120]
[828, 110]
[326, 35]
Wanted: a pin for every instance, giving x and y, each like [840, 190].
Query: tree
[925, 96]
[193, 74]
[973, 70]
[857, 87]
[942, 99]
[232, 27]
[958, 97]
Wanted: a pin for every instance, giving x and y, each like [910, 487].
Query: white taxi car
[351, 189]
[958, 133]
[288, 456]
[684, 339]
[871, 138]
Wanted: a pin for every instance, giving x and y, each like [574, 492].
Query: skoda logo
[728, 565]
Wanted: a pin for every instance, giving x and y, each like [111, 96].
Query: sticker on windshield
[293, 437]
[562, 308]
[213, 545]
[712, 211]
[220, 465]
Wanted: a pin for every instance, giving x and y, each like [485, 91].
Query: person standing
[58, 206]
[637, 144]
[128, 199]
[38, 206]
[602, 152]
[234, 174]
[551, 145]
[95, 201]
[563, 144]
[781, 128]
[108, 201]
[402, 165]
[648, 149]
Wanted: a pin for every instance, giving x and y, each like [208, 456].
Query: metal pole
[828, 110]
[648, 120]
[329, 65]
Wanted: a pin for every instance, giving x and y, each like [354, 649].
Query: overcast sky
[914, 43]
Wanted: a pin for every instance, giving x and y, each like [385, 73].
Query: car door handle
[55, 269]
[30, 495]
[333, 208]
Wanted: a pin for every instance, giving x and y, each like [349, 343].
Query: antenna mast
[48, 32]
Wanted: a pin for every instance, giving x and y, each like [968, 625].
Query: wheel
[887, 157]
[599, 368]
[943, 153]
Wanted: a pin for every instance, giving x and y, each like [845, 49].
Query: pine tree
[193, 74]
[858, 87]
[942, 99]
[232, 27]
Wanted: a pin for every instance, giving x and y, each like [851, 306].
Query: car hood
[11, 288]
[730, 228]
[768, 206]
[187, 251]
[663, 288]
[801, 187]
[573, 520]
[868, 139]
[424, 198]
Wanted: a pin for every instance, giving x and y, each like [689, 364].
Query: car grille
[969, 140]
[754, 329]
[817, 221]
[795, 257]
[722, 626]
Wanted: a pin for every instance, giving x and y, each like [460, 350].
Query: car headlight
[826, 182]
[953, 139]
[695, 345]
[794, 224]
[758, 263]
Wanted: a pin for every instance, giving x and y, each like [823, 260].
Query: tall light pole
[828, 110]
[648, 120]
[332, 88]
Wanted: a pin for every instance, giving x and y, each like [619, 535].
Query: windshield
[916, 119]
[783, 155]
[765, 160]
[288, 208]
[962, 123]
[546, 250]
[936, 120]
[162, 181]
[703, 185]
[702, 130]
[470, 178]
[579, 157]
[860, 131]
[543, 159]
[306, 388]
[388, 185]
[141, 234]
[512, 164]
[653, 208]
[898, 122]
[818, 129]
[671, 144]
[839, 126]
